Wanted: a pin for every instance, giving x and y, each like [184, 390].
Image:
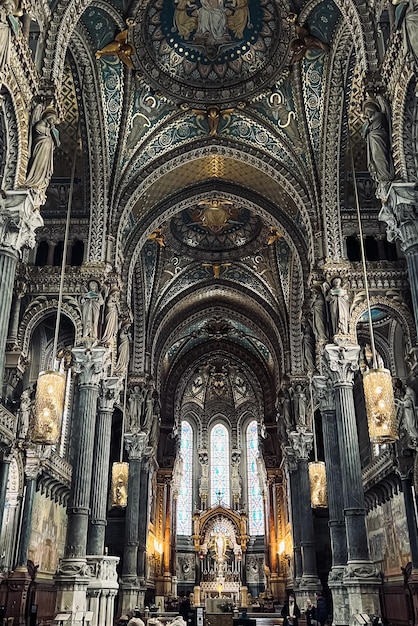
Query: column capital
[324, 393]
[109, 393]
[400, 214]
[289, 459]
[19, 218]
[135, 444]
[89, 364]
[301, 442]
[343, 362]
[33, 465]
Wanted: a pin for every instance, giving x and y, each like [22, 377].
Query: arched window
[184, 502]
[255, 499]
[219, 465]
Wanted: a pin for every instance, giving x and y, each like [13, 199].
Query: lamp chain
[363, 261]
[313, 420]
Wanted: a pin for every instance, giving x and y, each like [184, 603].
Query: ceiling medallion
[202, 51]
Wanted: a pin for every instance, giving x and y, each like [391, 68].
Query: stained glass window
[255, 499]
[184, 502]
[219, 465]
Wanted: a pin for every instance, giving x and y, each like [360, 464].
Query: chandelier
[49, 405]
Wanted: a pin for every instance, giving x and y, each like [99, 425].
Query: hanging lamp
[120, 469]
[316, 470]
[377, 381]
[51, 384]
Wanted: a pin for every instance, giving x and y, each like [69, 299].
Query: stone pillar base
[167, 583]
[362, 584]
[340, 601]
[278, 587]
[18, 584]
[71, 581]
[130, 590]
[102, 588]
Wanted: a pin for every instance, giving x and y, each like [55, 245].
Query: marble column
[73, 573]
[325, 395]
[109, 393]
[19, 218]
[400, 214]
[291, 466]
[102, 588]
[360, 575]
[167, 537]
[301, 441]
[135, 444]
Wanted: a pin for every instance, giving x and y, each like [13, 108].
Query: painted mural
[47, 541]
[388, 536]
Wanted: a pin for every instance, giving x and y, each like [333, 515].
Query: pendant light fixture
[51, 384]
[377, 381]
[316, 469]
[120, 469]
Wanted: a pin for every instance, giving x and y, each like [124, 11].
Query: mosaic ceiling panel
[214, 167]
[204, 51]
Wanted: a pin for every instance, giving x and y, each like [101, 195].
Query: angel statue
[120, 47]
[339, 307]
[8, 23]
[45, 138]
[408, 413]
[376, 132]
[406, 14]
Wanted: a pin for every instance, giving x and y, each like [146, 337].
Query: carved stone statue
[91, 303]
[123, 351]
[319, 316]
[308, 348]
[409, 413]
[111, 317]
[45, 139]
[25, 411]
[135, 402]
[376, 131]
[339, 307]
[407, 15]
[299, 404]
[8, 8]
[148, 410]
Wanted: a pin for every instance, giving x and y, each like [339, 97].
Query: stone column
[108, 395]
[293, 481]
[19, 218]
[20, 579]
[5, 460]
[32, 471]
[135, 444]
[73, 573]
[143, 519]
[102, 588]
[326, 396]
[167, 537]
[20, 290]
[360, 576]
[400, 215]
[301, 442]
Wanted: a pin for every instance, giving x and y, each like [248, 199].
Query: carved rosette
[89, 365]
[324, 393]
[109, 393]
[301, 442]
[343, 362]
[400, 214]
[19, 218]
[135, 444]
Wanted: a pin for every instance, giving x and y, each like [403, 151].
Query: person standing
[310, 613]
[290, 612]
[321, 608]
